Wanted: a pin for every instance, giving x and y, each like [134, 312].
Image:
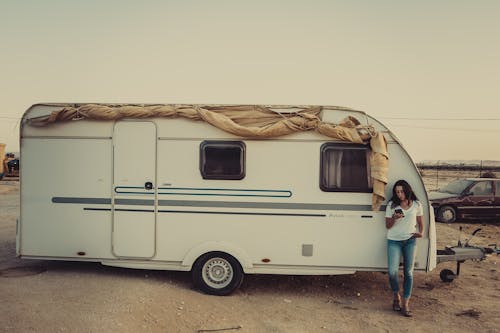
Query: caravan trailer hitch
[460, 254]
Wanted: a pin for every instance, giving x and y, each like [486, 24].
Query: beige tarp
[247, 121]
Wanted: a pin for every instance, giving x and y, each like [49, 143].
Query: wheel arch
[452, 205]
[239, 254]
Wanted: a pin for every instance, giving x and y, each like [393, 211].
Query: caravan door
[134, 203]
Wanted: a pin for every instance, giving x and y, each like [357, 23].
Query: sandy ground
[52, 296]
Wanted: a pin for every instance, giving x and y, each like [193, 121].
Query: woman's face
[400, 193]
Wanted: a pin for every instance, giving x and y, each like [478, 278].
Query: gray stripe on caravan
[135, 202]
[95, 201]
[68, 137]
[103, 201]
[270, 205]
[226, 204]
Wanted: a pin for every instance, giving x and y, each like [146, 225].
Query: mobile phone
[399, 211]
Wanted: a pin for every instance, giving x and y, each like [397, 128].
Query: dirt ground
[52, 296]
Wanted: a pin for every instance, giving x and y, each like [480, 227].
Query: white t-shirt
[404, 227]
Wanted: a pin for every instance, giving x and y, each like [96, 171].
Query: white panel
[69, 168]
[279, 238]
[341, 238]
[135, 153]
[134, 234]
[65, 167]
[134, 165]
[432, 243]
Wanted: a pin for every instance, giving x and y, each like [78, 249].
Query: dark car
[471, 198]
[13, 165]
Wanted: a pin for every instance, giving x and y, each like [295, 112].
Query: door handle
[148, 186]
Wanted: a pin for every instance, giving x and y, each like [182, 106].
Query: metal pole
[437, 175]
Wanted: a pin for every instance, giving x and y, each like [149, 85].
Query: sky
[429, 70]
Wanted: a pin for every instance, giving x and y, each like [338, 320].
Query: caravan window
[222, 159]
[345, 168]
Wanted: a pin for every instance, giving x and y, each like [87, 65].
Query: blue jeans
[395, 249]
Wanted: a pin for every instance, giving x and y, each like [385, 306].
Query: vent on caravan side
[307, 250]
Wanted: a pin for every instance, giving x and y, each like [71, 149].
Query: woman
[403, 219]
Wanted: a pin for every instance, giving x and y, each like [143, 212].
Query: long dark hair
[409, 194]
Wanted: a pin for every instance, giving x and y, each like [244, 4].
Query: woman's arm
[420, 224]
[390, 221]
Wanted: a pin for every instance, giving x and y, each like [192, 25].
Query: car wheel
[447, 214]
[217, 273]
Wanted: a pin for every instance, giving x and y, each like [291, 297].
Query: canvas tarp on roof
[250, 121]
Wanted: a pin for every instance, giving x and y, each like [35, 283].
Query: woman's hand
[390, 221]
[397, 216]
[420, 228]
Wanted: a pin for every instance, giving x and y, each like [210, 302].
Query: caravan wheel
[447, 275]
[217, 273]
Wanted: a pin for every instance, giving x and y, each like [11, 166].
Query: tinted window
[222, 159]
[481, 188]
[345, 168]
[456, 186]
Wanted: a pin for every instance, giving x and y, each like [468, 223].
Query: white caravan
[178, 194]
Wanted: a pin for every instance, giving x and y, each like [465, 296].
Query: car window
[497, 184]
[481, 188]
[456, 186]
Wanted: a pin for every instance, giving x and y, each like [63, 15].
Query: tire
[217, 273]
[447, 214]
[447, 275]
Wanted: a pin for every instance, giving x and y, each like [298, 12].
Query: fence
[439, 173]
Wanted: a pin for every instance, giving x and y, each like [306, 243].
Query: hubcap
[217, 273]
[447, 215]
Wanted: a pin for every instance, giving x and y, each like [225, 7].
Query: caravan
[205, 189]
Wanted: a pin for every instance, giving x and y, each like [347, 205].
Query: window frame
[222, 143]
[497, 188]
[479, 182]
[343, 146]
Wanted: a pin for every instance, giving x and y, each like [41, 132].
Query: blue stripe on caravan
[125, 188]
[227, 195]
[206, 192]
